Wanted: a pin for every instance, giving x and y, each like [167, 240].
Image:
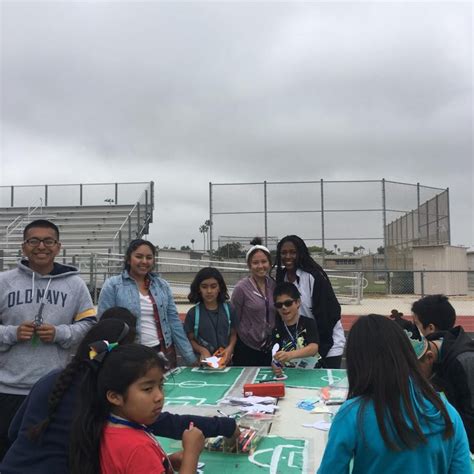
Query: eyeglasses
[286, 304]
[34, 242]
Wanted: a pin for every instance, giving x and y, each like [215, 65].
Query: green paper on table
[287, 456]
[187, 386]
[304, 378]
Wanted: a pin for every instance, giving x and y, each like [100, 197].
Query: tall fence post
[323, 244]
[359, 290]
[80, 194]
[146, 204]
[116, 194]
[265, 214]
[449, 216]
[437, 219]
[418, 211]
[152, 199]
[211, 221]
[12, 196]
[91, 275]
[139, 218]
[384, 219]
[46, 195]
[96, 293]
[422, 283]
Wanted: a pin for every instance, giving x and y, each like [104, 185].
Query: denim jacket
[122, 290]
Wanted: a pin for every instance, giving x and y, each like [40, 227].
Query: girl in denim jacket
[149, 297]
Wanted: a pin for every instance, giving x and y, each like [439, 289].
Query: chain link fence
[359, 292]
[80, 194]
[335, 215]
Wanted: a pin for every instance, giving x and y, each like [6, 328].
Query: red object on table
[270, 389]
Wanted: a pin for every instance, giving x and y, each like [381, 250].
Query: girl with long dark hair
[318, 301]
[393, 420]
[210, 324]
[121, 394]
[40, 429]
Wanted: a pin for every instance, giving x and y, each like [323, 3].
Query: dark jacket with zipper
[453, 374]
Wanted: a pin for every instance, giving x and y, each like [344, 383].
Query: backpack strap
[197, 315]
[196, 320]
[227, 312]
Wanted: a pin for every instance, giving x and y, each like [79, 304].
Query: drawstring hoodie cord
[39, 314]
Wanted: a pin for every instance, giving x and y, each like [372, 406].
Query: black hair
[132, 246]
[120, 368]
[123, 314]
[436, 310]
[286, 288]
[112, 330]
[381, 367]
[304, 261]
[44, 224]
[258, 241]
[203, 274]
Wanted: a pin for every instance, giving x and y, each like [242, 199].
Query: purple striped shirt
[250, 308]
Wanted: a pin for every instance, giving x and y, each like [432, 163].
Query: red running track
[467, 322]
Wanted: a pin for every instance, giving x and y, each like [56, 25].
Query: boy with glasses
[297, 337]
[45, 310]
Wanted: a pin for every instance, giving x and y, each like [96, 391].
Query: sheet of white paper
[275, 349]
[320, 409]
[319, 425]
[213, 361]
[259, 408]
[253, 400]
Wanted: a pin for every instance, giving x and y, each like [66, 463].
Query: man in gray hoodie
[45, 310]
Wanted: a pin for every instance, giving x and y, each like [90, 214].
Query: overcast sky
[188, 93]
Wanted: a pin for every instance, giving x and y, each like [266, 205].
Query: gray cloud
[187, 93]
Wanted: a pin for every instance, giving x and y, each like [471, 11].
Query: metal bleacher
[89, 228]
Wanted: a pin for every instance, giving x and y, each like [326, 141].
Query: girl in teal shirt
[393, 421]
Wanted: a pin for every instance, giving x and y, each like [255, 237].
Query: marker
[247, 443]
[276, 363]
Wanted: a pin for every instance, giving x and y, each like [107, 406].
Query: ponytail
[87, 427]
[63, 382]
[111, 329]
